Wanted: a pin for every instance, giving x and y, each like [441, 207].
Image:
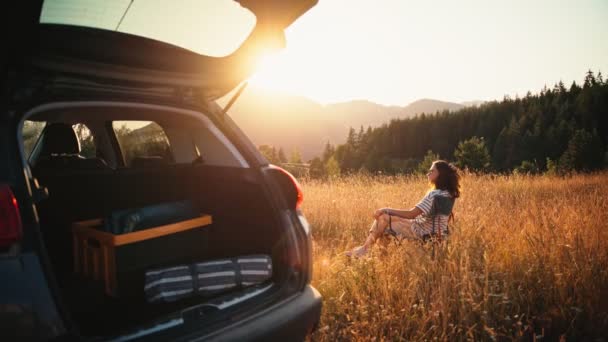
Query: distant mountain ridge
[289, 121]
[475, 103]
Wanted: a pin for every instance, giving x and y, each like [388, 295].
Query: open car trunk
[59, 61]
[244, 223]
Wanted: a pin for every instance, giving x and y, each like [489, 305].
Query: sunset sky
[389, 51]
[394, 52]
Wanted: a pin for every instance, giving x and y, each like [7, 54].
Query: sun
[270, 72]
[290, 73]
[323, 78]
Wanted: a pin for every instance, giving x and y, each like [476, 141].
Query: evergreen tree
[472, 154]
[349, 156]
[527, 167]
[508, 148]
[281, 156]
[317, 169]
[269, 152]
[332, 168]
[589, 80]
[584, 152]
[295, 157]
[352, 139]
[552, 167]
[328, 151]
[427, 161]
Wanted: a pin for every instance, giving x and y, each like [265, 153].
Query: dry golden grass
[528, 257]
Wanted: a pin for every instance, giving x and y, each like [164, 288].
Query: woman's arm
[408, 214]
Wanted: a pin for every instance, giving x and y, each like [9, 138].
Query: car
[98, 124]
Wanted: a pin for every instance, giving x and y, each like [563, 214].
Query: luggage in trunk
[115, 259]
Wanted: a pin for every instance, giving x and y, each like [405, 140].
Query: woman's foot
[357, 252]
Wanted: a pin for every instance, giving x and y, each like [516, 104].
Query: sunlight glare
[268, 73]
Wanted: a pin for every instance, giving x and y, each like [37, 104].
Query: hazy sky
[388, 51]
[394, 52]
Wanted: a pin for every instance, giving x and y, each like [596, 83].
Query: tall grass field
[527, 260]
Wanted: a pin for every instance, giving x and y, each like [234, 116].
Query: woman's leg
[401, 226]
[375, 232]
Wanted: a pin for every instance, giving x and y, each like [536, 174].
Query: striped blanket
[206, 278]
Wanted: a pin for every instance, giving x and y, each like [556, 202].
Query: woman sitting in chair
[427, 220]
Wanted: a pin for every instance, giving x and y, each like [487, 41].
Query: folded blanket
[130, 220]
[206, 278]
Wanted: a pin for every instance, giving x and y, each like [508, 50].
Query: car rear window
[142, 142]
[87, 142]
[31, 133]
[209, 27]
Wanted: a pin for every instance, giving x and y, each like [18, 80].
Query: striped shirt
[423, 224]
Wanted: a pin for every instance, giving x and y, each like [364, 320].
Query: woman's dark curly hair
[448, 179]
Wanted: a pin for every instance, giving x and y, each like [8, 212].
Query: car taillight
[299, 195]
[11, 228]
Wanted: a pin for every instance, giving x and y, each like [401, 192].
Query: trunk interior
[243, 224]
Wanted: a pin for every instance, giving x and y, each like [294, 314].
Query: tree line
[559, 129]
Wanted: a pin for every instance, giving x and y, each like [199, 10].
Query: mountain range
[288, 121]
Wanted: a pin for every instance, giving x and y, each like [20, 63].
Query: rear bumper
[290, 320]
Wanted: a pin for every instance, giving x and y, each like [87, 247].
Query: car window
[31, 133]
[86, 140]
[142, 140]
[192, 24]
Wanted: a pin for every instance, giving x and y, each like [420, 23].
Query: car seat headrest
[59, 138]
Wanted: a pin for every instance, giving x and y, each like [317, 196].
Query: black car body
[69, 75]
